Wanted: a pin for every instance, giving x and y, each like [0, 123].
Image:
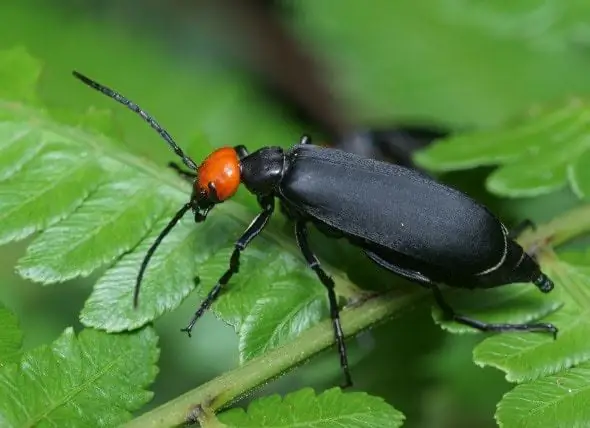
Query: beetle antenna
[145, 116]
[154, 246]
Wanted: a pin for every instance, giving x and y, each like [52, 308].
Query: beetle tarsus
[188, 329]
[328, 282]
[483, 326]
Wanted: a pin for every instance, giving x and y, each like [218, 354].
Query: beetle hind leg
[542, 282]
[483, 326]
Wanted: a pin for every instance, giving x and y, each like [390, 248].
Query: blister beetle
[405, 222]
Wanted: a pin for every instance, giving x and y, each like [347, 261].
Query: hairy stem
[230, 386]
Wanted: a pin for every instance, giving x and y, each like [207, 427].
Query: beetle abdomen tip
[544, 283]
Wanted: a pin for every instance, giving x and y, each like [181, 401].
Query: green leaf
[11, 337]
[95, 379]
[19, 73]
[94, 119]
[528, 356]
[539, 363]
[524, 357]
[534, 154]
[96, 205]
[169, 278]
[286, 307]
[332, 408]
[536, 358]
[559, 400]
[19, 144]
[111, 221]
[50, 187]
[579, 175]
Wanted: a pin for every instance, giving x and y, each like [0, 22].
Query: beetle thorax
[262, 171]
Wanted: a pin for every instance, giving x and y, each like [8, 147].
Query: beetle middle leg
[517, 230]
[257, 225]
[483, 326]
[328, 282]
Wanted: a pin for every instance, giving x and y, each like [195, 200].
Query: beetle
[404, 221]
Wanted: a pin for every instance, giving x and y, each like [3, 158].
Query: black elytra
[404, 221]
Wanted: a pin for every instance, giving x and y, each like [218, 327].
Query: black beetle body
[404, 221]
[405, 218]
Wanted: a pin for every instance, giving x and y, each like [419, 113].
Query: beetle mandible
[405, 222]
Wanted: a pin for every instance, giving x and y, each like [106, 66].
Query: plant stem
[226, 388]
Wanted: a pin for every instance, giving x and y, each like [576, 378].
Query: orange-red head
[219, 171]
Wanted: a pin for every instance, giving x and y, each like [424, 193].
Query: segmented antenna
[154, 246]
[145, 116]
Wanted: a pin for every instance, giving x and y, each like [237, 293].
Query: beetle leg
[257, 225]
[328, 282]
[446, 308]
[188, 175]
[483, 326]
[517, 230]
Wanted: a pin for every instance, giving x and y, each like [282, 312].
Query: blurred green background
[459, 63]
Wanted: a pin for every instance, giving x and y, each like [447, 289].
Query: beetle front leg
[257, 225]
[188, 175]
[328, 282]
[483, 326]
